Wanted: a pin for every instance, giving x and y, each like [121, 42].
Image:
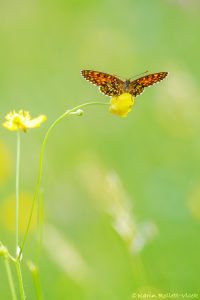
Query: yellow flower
[22, 121]
[121, 105]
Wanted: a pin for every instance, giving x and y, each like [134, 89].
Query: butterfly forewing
[98, 78]
[151, 78]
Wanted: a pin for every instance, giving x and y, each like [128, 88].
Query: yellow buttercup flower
[121, 105]
[22, 121]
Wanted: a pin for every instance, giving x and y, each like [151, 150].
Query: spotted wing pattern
[137, 86]
[111, 89]
[109, 84]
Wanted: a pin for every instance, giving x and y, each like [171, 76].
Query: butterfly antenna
[139, 74]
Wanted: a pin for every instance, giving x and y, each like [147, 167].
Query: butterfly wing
[109, 84]
[137, 86]
[112, 89]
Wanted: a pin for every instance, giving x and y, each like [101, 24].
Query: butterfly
[113, 86]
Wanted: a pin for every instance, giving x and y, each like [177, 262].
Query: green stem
[18, 253]
[10, 279]
[57, 121]
[17, 191]
[36, 280]
[19, 275]
[39, 224]
[37, 285]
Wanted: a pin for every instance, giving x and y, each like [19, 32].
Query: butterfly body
[113, 86]
[126, 85]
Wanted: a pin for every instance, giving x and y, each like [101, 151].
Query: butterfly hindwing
[111, 89]
[135, 88]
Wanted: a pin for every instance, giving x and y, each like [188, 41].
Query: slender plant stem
[17, 192]
[10, 278]
[18, 253]
[40, 215]
[56, 122]
[20, 280]
[37, 285]
[36, 280]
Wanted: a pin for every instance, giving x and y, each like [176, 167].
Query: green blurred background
[121, 195]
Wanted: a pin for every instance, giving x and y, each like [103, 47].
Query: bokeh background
[121, 195]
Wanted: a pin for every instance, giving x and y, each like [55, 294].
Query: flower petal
[34, 123]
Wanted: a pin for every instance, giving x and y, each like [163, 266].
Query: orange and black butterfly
[113, 86]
